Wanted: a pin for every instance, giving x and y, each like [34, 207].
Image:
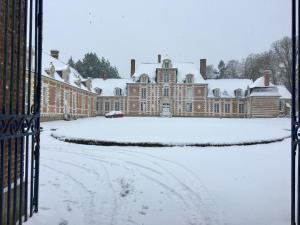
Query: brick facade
[159, 90]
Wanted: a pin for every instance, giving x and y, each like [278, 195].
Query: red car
[114, 114]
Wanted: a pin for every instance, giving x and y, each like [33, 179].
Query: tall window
[216, 108]
[106, 107]
[227, 108]
[189, 107]
[241, 108]
[117, 106]
[45, 96]
[143, 106]
[189, 93]
[83, 102]
[166, 91]
[166, 77]
[144, 93]
[57, 99]
[74, 101]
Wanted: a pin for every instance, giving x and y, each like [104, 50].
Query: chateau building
[65, 93]
[167, 88]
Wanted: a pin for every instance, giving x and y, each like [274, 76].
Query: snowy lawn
[176, 130]
[91, 185]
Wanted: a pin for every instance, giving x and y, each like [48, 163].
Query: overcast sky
[184, 30]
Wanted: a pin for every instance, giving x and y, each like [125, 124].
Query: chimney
[159, 58]
[54, 53]
[267, 76]
[132, 68]
[203, 68]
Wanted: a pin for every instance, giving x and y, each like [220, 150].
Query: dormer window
[52, 70]
[98, 90]
[189, 79]
[118, 92]
[216, 93]
[238, 93]
[144, 79]
[167, 64]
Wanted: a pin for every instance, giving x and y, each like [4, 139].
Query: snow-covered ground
[176, 130]
[91, 185]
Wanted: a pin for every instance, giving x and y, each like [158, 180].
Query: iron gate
[295, 115]
[20, 91]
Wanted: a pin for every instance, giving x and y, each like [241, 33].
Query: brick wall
[61, 100]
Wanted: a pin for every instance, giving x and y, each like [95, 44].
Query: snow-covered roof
[227, 86]
[108, 85]
[74, 76]
[260, 82]
[284, 92]
[183, 68]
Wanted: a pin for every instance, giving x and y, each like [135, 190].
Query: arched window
[189, 78]
[167, 64]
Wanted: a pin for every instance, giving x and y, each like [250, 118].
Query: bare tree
[282, 51]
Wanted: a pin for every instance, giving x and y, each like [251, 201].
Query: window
[74, 101]
[166, 77]
[166, 91]
[106, 107]
[144, 93]
[216, 108]
[189, 79]
[281, 105]
[83, 102]
[57, 99]
[143, 106]
[241, 108]
[144, 79]
[97, 106]
[189, 107]
[166, 64]
[238, 93]
[117, 106]
[118, 92]
[189, 93]
[45, 96]
[216, 93]
[227, 108]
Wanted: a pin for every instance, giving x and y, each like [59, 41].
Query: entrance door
[166, 109]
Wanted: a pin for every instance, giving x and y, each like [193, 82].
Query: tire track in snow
[89, 215]
[139, 166]
[193, 195]
[212, 209]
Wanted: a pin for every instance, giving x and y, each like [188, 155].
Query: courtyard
[87, 184]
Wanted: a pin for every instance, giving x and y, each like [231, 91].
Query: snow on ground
[176, 130]
[93, 185]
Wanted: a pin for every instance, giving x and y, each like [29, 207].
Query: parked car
[114, 114]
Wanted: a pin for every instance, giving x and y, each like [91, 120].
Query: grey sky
[185, 30]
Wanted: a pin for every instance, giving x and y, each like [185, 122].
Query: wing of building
[65, 93]
[167, 88]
